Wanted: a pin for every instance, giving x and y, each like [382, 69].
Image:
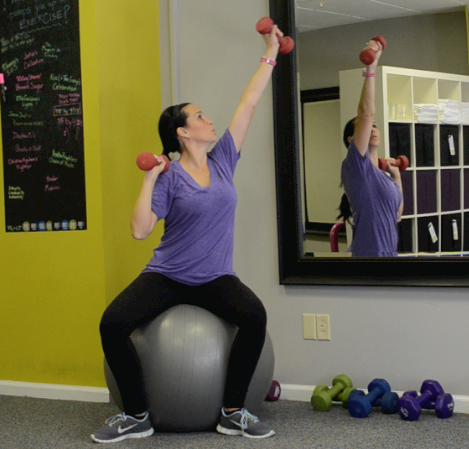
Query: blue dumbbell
[379, 394]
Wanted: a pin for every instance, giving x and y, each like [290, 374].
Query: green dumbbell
[344, 396]
[322, 397]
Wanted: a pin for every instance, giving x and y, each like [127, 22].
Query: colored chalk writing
[42, 117]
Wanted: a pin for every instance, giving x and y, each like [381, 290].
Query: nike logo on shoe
[121, 430]
[237, 423]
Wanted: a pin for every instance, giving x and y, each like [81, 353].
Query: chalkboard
[42, 116]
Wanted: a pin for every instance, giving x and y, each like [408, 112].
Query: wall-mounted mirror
[327, 52]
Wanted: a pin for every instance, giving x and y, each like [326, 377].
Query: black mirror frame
[294, 267]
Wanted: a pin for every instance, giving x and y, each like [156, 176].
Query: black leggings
[150, 295]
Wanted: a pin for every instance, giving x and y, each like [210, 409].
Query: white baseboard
[291, 392]
[53, 391]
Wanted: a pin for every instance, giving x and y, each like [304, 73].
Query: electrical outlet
[309, 326]
[323, 327]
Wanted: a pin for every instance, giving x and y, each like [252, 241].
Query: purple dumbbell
[274, 392]
[410, 407]
[443, 404]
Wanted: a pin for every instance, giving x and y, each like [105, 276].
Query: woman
[193, 263]
[375, 198]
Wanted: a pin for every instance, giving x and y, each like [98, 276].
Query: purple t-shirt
[375, 199]
[197, 245]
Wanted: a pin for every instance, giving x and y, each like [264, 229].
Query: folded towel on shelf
[425, 113]
[465, 111]
[449, 112]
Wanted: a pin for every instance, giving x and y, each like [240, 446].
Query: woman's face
[375, 136]
[198, 127]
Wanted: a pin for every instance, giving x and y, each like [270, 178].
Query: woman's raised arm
[242, 117]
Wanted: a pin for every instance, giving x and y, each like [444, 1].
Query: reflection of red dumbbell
[146, 161]
[368, 55]
[264, 26]
[401, 162]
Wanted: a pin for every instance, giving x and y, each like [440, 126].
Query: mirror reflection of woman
[375, 197]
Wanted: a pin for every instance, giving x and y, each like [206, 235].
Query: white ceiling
[317, 14]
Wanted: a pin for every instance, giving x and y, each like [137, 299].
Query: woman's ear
[349, 139]
[182, 132]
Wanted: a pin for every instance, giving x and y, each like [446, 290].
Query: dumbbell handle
[335, 390]
[430, 404]
[367, 56]
[423, 398]
[373, 394]
[146, 161]
[401, 162]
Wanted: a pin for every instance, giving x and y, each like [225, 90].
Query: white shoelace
[245, 417]
[115, 419]
[123, 417]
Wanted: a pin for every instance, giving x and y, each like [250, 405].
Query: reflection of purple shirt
[197, 245]
[375, 199]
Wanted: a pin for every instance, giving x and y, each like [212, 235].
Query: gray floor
[29, 423]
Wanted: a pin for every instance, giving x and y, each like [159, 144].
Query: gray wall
[434, 42]
[405, 335]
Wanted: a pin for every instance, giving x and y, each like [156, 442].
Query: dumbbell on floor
[443, 406]
[387, 403]
[344, 396]
[146, 161]
[410, 407]
[401, 162]
[367, 56]
[322, 397]
[379, 394]
[274, 392]
[264, 26]
[443, 403]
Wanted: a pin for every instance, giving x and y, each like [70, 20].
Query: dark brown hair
[171, 119]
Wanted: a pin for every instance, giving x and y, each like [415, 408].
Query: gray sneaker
[121, 427]
[243, 423]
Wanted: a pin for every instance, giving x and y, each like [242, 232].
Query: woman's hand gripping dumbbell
[264, 26]
[322, 397]
[146, 161]
[379, 395]
[368, 55]
[400, 162]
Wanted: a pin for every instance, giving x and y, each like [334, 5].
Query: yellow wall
[130, 106]
[55, 286]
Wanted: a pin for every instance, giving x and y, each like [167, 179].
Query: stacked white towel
[425, 113]
[449, 112]
[465, 111]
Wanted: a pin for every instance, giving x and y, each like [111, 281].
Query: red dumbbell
[401, 161]
[146, 161]
[368, 55]
[264, 26]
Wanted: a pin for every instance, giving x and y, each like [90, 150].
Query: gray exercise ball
[184, 355]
